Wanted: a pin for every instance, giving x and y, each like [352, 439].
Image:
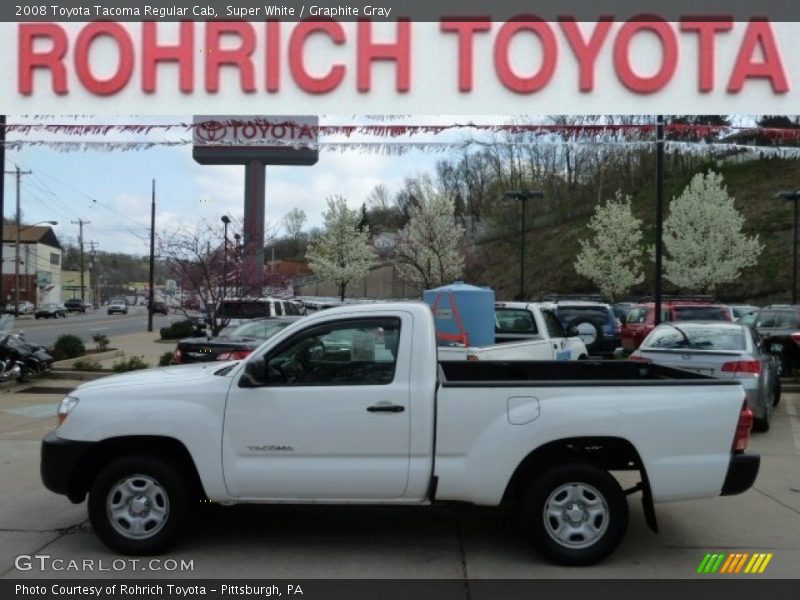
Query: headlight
[65, 407]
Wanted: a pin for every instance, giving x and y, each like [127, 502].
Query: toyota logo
[211, 131]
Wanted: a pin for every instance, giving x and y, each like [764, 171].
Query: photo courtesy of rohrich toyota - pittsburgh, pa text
[399, 300]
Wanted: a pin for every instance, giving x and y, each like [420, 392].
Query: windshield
[667, 337]
[699, 313]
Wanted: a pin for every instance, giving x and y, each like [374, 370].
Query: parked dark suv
[595, 321]
[780, 324]
[75, 305]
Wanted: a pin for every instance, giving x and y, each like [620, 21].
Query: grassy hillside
[551, 249]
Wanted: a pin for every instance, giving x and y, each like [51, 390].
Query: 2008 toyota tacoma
[350, 405]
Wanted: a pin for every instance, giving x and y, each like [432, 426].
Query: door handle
[390, 408]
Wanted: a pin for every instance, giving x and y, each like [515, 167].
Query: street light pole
[522, 197]
[795, 197]
[225, 222]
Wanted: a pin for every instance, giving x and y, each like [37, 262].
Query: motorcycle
[20, 360]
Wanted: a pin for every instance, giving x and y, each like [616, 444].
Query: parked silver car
[720, 349]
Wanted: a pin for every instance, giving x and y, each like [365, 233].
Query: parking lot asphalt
[390, 542]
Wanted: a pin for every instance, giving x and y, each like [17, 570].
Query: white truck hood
[160, 376]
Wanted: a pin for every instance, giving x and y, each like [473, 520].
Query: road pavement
[46, 331]
[390, 542]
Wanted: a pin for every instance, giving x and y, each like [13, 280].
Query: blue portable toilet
[464, 314]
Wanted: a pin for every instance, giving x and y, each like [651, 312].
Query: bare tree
[197, 259]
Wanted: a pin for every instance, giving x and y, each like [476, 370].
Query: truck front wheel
[140, 505]
[576, 514]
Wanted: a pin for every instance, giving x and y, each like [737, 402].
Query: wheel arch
[609, 453]
[108, 450]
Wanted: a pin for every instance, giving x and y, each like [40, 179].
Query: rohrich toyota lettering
[272, 57]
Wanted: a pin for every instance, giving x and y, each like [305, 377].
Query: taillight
[743, 427]
[796, 337]
[177, 358]
[235, 355]
[743, 367]
[639, 358]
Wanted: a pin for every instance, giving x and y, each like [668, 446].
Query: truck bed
[577, 373]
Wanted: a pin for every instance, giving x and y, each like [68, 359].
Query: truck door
[332, 420]
[559, 346]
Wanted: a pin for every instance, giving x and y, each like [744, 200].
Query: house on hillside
[38, 272]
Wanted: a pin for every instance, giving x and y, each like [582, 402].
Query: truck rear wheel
[576, 514]
[140, 505]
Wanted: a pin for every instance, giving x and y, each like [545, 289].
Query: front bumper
[60, 461]
[742, 472]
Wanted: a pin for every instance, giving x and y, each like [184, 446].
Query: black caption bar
[390, 10]
[388, 589]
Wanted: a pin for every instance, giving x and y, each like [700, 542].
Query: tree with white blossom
[611, 257]
[342, 253]
[703, 239]
[428, 253]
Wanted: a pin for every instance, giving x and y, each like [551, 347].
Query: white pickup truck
[523, 331]
[350, 405]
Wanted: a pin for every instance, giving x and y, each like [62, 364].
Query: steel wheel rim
[575, 515]
[137, 507]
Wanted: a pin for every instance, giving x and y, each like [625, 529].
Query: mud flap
[647, 503]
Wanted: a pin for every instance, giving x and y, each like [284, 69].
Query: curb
[65, 364]
[77, 375]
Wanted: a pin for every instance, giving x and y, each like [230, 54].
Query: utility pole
[93, 270]
[2, 204]
[80, 223]
[522, 197]
[152, 259]
[659, 215]
[19, 175]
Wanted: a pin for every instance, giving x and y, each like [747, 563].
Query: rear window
[699, 313]
[245, 309]
[567, 314]
[778, 319]
[514, 320]
[696, 338]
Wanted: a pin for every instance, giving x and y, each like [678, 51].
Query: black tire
[591, 330]
[172, 484]
[762, 425]
[591, 484]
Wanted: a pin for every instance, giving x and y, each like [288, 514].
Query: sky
[111, 190]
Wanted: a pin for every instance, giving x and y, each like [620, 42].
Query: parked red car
[640, 319]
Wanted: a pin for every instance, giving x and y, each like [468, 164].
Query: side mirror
[572, 331]
[255, 373]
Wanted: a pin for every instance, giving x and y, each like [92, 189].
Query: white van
[233, 311]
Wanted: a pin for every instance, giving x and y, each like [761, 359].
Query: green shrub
[68, 346]
[178, 330]
[134, 363]
[87, 364]
[165, 360]
[102, 341]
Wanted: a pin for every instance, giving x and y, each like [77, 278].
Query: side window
[554, 328]
[291, 309]
[355, 353]
[278, 309]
